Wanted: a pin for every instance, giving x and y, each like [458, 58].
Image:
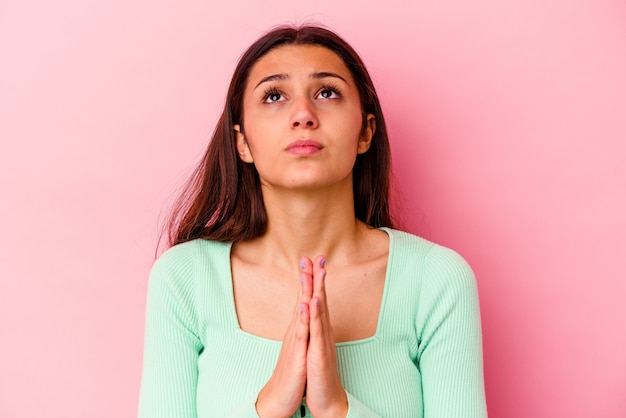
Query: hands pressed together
[307, 364]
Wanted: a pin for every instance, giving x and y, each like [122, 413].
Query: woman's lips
[304, 147]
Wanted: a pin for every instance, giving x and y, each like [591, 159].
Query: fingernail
[323, 262]
[301, 279]
[300, 308]
[301, 264]
[318, 302]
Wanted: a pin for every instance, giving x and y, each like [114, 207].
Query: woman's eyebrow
[315, 76]
[326, 74]
[273, 77]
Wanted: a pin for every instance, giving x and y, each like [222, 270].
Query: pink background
[508, 124]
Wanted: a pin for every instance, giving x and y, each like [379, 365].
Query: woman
[286, 292]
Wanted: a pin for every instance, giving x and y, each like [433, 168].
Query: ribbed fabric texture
[425, 359]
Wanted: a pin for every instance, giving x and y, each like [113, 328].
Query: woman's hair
[223, 201]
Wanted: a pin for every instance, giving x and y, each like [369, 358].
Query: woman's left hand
[325, 395]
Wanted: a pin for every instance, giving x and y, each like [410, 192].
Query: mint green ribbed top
[425, 359]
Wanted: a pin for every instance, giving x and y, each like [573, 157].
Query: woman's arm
[450, 341]
[172, 345]
[172, 340]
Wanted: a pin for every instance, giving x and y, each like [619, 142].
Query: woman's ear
[365, 139]
[242, 145]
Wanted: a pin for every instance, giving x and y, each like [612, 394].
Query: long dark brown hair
[223, 201]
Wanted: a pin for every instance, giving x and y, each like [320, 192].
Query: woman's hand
[325, 395]
[307, 358]
[282, 394]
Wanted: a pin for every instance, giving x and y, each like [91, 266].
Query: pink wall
[508, 122]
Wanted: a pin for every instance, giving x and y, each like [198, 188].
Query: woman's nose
[303, 114]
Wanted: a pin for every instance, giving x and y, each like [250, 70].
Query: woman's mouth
[304, 147]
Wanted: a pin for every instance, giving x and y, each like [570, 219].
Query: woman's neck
[309, 223]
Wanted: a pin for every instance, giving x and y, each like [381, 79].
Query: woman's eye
[273, 97]
[329, 94]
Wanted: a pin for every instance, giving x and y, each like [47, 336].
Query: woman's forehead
[298, 60]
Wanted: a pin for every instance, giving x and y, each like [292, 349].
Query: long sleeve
[172, 345]
[450, 342]
[356, 409]
[173, 338]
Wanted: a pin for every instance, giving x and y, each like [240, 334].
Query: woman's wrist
[337, 410]
[265, 408]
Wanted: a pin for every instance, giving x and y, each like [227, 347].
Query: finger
[306, 278]
[299, 326]
[302, 328]
[316, 328]
[319, 276]
[319, 322]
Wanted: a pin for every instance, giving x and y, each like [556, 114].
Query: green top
[425, 359]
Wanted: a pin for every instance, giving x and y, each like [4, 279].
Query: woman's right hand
[282, 394]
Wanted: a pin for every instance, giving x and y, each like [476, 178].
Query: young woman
[286, 292]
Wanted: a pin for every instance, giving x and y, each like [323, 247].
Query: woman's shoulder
[182, 277]
[180, 261]
[405, 240]
[192, 250]
[433, 261]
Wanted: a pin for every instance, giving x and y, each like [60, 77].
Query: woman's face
[302, 119]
